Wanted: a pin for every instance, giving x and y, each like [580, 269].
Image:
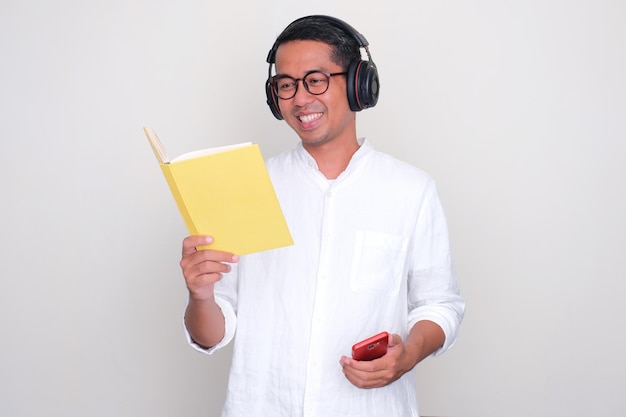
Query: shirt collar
[365, 148]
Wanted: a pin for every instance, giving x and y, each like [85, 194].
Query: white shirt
[371, 253]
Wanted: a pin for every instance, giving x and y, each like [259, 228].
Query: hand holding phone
[371, 348]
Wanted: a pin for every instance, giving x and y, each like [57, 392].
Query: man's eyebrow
[282, 75]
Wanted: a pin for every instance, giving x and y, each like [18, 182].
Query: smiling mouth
[310, 117]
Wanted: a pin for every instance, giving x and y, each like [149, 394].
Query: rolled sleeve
[230, 320]
[448, 315]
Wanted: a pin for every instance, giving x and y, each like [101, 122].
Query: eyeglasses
[315, 82]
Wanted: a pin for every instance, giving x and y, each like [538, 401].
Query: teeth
[310, 117]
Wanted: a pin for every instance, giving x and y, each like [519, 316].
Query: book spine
[170, 177]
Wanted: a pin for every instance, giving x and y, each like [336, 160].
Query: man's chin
[312, 140]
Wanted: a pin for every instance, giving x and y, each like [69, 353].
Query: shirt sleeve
[433, 292]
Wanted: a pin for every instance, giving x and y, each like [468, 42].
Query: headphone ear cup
[369, 84]
[272, 100]
[362, 85]
[351, 86]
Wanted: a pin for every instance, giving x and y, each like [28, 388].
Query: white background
[517, 108]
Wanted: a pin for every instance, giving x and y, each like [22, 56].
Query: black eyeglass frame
[276, 78]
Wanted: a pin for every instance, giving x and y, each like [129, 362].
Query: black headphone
[361, 79]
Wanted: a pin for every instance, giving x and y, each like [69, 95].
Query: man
[371, 254]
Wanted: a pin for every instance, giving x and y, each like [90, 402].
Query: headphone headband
[338, 23]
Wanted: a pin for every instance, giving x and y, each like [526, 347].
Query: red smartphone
[371, 348]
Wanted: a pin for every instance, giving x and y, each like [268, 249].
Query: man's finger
[190, 243]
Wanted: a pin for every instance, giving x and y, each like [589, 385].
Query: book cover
[227, 193]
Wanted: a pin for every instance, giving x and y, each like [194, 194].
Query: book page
[209, 151]
[157, 146]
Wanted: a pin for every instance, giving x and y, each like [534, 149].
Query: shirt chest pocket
[378, 263]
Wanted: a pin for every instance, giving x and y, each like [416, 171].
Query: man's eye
[286, 85]
[315, 81]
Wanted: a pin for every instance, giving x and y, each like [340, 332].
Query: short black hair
[345, 48]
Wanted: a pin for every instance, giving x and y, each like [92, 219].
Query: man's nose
[302, 94]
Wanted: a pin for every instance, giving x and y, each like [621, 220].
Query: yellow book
[225, 192]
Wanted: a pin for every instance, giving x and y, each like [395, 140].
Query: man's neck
[333, 158]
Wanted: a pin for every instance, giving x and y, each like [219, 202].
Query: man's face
[317, 119]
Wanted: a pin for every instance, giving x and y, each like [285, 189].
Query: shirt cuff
[230, 320]
[447, 317]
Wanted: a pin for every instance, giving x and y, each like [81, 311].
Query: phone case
[371, 348]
